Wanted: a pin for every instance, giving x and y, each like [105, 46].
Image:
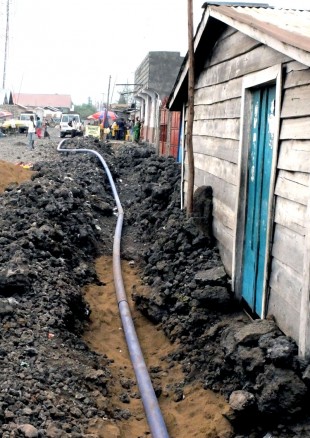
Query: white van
[25, 117]
[65, 122]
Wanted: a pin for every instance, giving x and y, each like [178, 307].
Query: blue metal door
[258, 186]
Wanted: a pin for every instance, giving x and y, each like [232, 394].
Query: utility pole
[108, 98]
[190, 113]
[105, 119]
[6, 41]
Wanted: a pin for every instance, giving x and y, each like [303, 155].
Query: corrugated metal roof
[232, 3]
[288, 19]
[288, 26]
[300, 5]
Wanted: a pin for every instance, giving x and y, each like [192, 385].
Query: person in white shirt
[13, 126]
[31, 133]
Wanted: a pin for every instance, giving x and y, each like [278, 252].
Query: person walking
[101, 130]
[31, 133]
[13, 126]
[74, 127]
[121, 129]
[39, 127]
[136, 130]
[46, 133]
[114, 130]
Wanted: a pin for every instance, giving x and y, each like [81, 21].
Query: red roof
[42, 100]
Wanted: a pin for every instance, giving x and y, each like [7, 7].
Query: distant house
[251, 140]
[154, 79]
[61, 101]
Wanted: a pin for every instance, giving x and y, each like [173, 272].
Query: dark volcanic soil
[52, 230]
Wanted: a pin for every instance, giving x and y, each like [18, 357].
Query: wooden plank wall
[216, 148]
[292, 194]
[217, 125]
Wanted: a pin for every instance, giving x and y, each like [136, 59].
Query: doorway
[258, 149]
[258, 190]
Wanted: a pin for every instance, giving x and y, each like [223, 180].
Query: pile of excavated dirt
[53, 228]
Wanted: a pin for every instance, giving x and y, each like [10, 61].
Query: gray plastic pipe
[153, 414]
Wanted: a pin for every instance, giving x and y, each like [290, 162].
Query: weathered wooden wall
[292, 195]
[216, 148]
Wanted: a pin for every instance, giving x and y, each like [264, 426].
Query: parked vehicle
[25, 117]
[14, 125]
[66, 121]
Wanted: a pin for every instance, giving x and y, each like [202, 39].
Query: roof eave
[289, 43]
[181, 80]
[236, 3]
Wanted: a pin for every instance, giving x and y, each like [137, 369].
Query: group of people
[122, 130]
[35, 128]
[119, 130]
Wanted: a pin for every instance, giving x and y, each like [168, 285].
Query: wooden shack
[251, 140]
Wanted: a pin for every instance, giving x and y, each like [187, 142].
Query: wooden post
[190, 117]
[105, 119]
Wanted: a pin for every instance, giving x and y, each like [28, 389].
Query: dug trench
[65, 367]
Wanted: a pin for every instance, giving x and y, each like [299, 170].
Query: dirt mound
[52, 229]
[191, 300]
[12, 174]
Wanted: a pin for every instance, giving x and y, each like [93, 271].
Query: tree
[85, 110]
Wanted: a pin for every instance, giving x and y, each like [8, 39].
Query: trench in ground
[199, 414]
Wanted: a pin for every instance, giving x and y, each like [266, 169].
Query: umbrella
[5, 114]
[101, 114]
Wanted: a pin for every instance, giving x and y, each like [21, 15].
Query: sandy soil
[199, 414]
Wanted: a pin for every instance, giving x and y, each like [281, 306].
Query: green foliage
[85, 110]
[122, 99]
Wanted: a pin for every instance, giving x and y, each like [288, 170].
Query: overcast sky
[73, 46]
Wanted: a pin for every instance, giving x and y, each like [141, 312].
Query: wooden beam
[190, 116]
